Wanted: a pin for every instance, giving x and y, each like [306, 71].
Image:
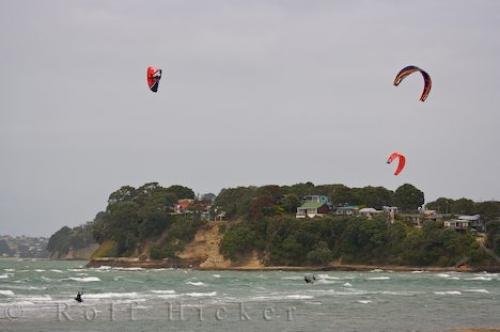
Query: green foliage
[237, 240]
[67, 238]
[408, 197]
[181, 192]
[321, 254]
[288, 241]
[134, 215]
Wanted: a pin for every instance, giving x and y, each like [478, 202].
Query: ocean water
[38, 296]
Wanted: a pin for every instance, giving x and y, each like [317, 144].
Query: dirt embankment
[76, 254]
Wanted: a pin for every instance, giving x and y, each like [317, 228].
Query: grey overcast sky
[254, 92]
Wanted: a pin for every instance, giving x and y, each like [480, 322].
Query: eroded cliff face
[202, 253]
[205, 249]
[76, 254]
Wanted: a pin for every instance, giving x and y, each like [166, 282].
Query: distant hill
[23, 246]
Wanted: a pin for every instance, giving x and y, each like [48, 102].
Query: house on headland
[463, 223]
[314, 206]
[348, 210]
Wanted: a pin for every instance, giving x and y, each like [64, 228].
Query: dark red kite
[401, 163]
[408, 70]
[153, 76]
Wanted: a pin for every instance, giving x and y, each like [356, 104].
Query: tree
[181, 191]
[408, 197]
[463, 206]
[441, 205]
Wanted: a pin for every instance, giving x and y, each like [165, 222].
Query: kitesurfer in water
[78, 297]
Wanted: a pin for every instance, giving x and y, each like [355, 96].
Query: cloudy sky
[255, 92]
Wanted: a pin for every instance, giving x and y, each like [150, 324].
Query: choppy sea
[38, 296]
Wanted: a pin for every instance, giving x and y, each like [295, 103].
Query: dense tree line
[266, 201]
[288, 241]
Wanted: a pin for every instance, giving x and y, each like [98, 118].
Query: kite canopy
[401, 161]
[153, 76]
[408, 70]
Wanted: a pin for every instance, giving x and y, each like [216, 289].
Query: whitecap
[201, 294]
[4, 276]
[417, 271]
[195, 283]
[480, 278]
[377, 270]
[128, 268]
[448, 293]
[443, 275]
[347, 284]
[43, 298]
[9, 270]
[299, 297]
[216, 275]
[85, 279]
[168, 296]
[379, 278]
[39, 270]
[110, 295]
[163, 291]
[57, 271]
[326, 276]
[478, 290]
[6, 292]
[364, 301]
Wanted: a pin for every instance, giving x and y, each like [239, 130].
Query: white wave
[168, 296]
[404, 293]
[480, 278]
[9, 270]
[39, 270]
[110, 295]
[201, 294]
[129, 268]
[282, 297]
[417, 271]
[216, 275]
[299, 297]
[85, 279]
[478, 290]
[379, 278]
[163, 291]
[448, 293]
[345, 291]
[377, 270]
[57, 271]
[347, 284]
[24, 287]
[326, 276]
[103, 267]
[4, 276]
[43, 298]
[364, 301]
[6, 292]
[196, 283]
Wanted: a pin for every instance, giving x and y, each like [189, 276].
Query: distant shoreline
[151, 264]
